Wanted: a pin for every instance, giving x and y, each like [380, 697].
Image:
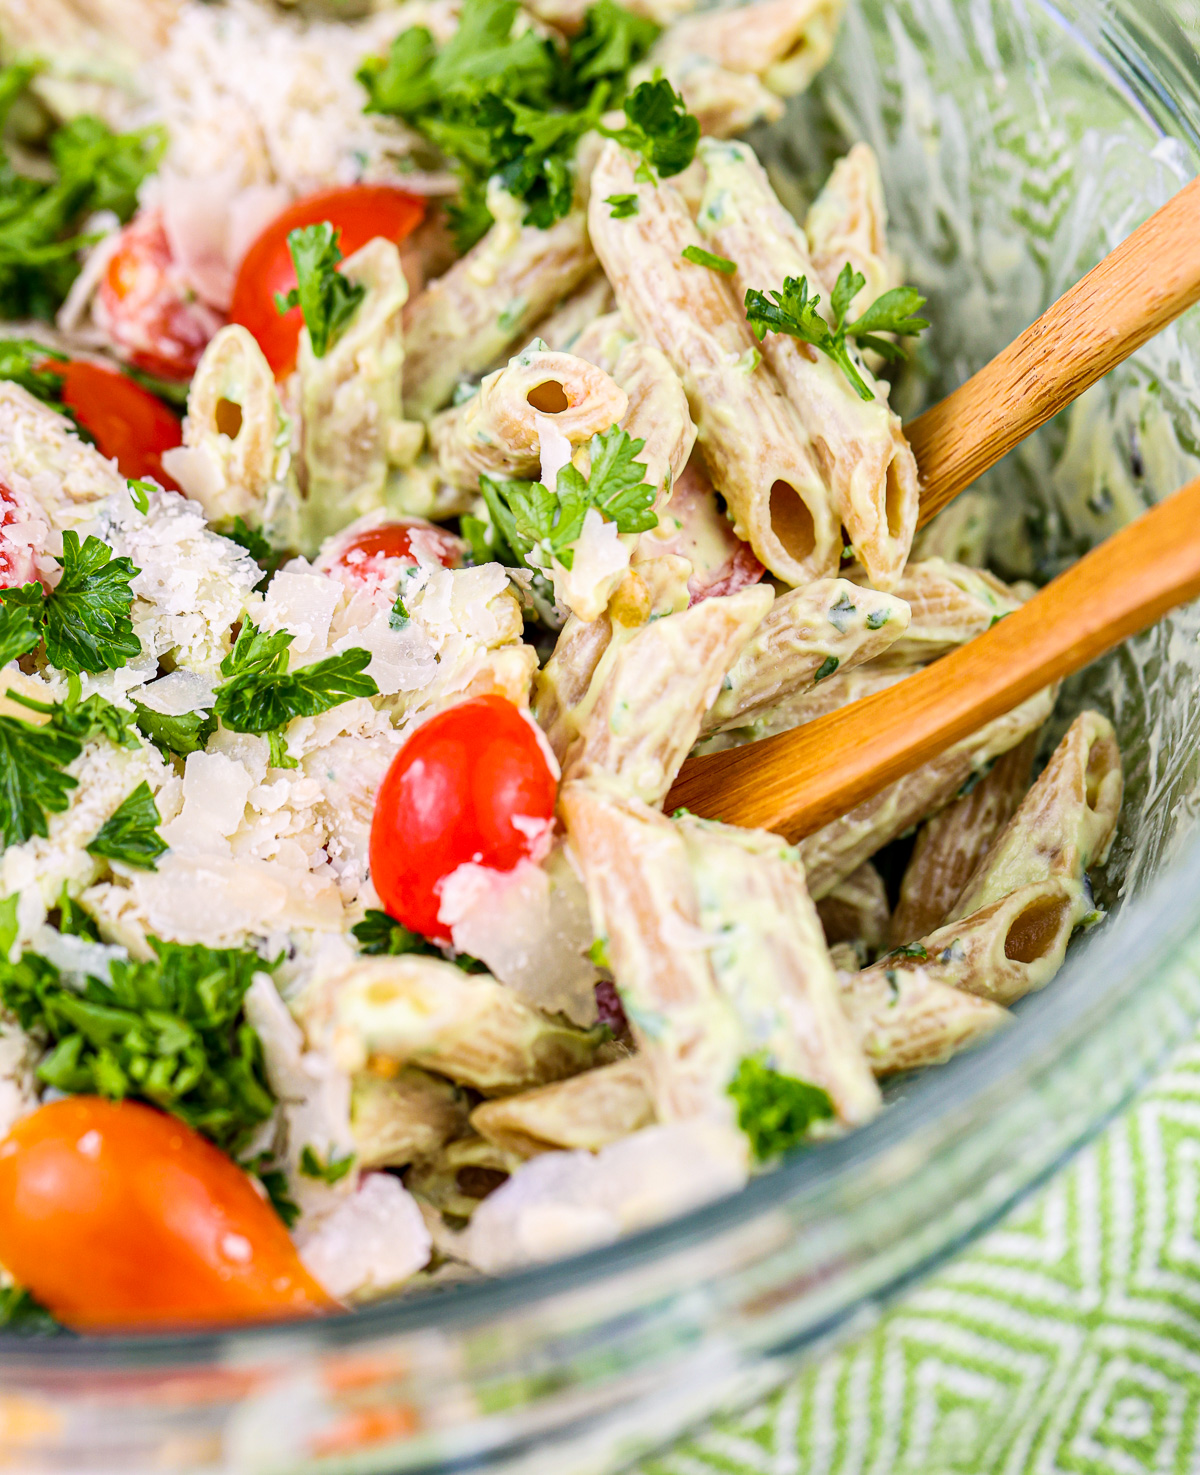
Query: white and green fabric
[1064, 1342]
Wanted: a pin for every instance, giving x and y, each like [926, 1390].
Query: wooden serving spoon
[800, 780]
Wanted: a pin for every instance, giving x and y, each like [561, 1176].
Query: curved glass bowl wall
[1019, 142]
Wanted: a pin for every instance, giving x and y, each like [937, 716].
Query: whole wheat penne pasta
[643, 903]
[847, 222]
[960, 531]
[904, 1019]
[1066, 822]
[784, 42]
[655, 690]
[399, 1117]
[586, 1112]
[841, 847]
[754, 447]
[858, 443]
[1005, 950]
[421, 1011]
[725, 103]
[564, 689]
[353, 423]
[856, 910]
[488, 301]
[771, 961]
[236, 457]
[560, 328]
[808, 634]
[950, 605]
[498, 430]
[952, 842]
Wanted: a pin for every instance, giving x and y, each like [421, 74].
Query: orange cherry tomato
[116, 1215]
[463, 788]
[127, 422]
[146, 305]
[358, 212]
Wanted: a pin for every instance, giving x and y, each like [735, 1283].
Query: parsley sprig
[263, 696]
[775, 1110]
[541, 526]
[89, 168]
[794, 312]
[84, 620]
[130, 833]
[33, 783]
[169, 1030]
[327, 299]
[504, 102]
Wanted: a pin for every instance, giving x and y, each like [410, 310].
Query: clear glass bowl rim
[1150, 930]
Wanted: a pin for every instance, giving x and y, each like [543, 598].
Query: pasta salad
[418, 434]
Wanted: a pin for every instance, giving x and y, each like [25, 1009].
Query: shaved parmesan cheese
[178, 693]
[601, 558]
[554, 448]
[372, 1242]
[302, 603]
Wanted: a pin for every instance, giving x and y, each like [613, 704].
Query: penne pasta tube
[848, 222]
[353, 422]
[1066, 822]
[398, 1117]
[1005, 950]
[643, 903]
[859, 444]
[960, 532]
[236, 456]
[754, 447]
[904, 1019]
[416, 1010]
[725, 103]
[498, 431]
[953, 842]
[587, 1112]
[658, 414]
[655, 690]
[807, 635]
[784, 42]
[856, 910]
[950, 604]
[771, 961]
[832, 853]
[565, 689]
[562, 327]
[488, 301]
[455, 1180]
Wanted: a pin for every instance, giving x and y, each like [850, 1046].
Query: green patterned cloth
[1064, 1342]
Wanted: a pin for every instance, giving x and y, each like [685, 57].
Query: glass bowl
[1019, 142]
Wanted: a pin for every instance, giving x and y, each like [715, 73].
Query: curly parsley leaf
[86, 622]
[181, 733]
[502, 102]
[623, 206]
[327, 299]
[89, 168]
[22, 1314]
[32, 781]
[659, 127]
[130, 833]
[263, 696]
[775, 1110]
[20, 621]
[72, 920]
[168, 1030]
[698, 256]
[380, 935]
[796, 313]
[275, 1185]
[331, 1171]
[29, 364]
[540, 525]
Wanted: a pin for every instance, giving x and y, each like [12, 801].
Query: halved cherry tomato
[126, 421]
[358, 212]
[114, 1215]
[148, 308]
[17, 563]
[453, 795]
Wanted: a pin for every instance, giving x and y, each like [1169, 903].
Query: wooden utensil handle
[1135, 291]
[800, 780]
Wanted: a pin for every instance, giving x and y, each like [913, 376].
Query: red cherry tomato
[147, 307]
[126, 421]
[17, 564]
[358, 212]
[451, 797]
[113, 1215]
